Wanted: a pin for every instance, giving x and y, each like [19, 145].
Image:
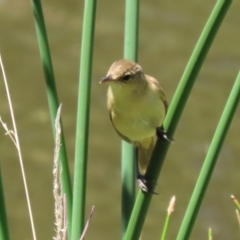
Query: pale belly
[139, 121]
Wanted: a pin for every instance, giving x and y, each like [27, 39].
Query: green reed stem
[179, 100]
[165, 228]
[210, 161]
[128, 183]
[4, 234]
[166, 225]
[52, 99]
[210, 237]
[81, 147]
[128, 150]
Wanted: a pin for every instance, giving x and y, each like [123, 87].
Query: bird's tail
[145, 149]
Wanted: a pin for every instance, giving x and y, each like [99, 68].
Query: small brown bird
[137, 107]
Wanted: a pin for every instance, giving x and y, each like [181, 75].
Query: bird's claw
[144, 185]
[162, 135]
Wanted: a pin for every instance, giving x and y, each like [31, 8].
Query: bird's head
[123, 72]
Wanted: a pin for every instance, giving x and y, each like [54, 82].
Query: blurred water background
[168, 33]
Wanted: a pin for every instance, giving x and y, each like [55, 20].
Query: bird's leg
[143, 183]
[162, 135]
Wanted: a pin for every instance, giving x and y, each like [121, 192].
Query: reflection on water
[168, 33]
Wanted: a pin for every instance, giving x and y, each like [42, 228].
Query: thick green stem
[81, 148]
[52, 100]
[128, 151]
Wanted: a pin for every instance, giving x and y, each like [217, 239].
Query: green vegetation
[134, 209]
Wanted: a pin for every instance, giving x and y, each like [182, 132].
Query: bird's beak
[106, 79]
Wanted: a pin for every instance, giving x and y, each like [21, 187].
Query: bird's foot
[162, 135]
[145, 185]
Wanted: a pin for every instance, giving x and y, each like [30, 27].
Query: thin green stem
[210, 161]
[176, 108]
[169, 213]
[4, 234]
[52, 99]
[82, 129]
[210, 237]
[128, 151]
[165, 228]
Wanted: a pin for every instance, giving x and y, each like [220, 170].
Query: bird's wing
[164, 99]
[155, 82]
[120, 135]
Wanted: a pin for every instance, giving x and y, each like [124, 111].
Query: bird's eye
[126, 77]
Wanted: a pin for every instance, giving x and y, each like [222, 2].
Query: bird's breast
[137, 118]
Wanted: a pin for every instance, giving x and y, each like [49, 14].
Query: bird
[137, 107]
